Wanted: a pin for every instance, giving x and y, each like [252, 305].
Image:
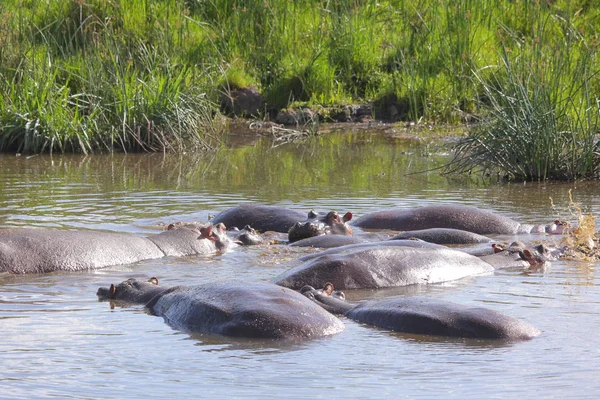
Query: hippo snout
[103, 293]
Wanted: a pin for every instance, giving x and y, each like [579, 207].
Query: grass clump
[150, 75]
[539, 111]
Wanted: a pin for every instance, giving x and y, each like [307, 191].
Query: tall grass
[129, 75]
[539, 111]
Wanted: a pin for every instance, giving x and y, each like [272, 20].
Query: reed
[539, 114]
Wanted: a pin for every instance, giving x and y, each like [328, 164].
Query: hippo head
[248, 237]
[330, 299]
[216, 233]
[329, 224]
[338, 225]
[305, 230]
[131, 291]
[536, 256]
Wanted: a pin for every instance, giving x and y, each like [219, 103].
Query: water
[59, 341]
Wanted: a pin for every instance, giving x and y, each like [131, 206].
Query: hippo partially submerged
[443, 236]
[269, 218]
[331, 224]
[425, 316]
[400, 263]
[383, 264]
[240, 309]
[466, 218]
[24, 250]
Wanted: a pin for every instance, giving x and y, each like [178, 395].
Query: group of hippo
[290, 306]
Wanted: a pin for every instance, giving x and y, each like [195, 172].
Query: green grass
[145, 75]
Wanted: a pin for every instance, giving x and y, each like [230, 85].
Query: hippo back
[443, 236]
[327, 241]
[24, 250]
[466, 218]
[440, 318]
[260, 217]
[183, 242]
[241, 309]
[383, 266]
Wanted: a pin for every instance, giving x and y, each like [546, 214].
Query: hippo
[327, 241]
[229, 308]
[245, 237]
[443, 236]
[386, 243]
[28, 250]
[466, 218]
[265, 218]
[518, 255]
[379, 265]
[423, 316]
[332, 224]
[400, 263]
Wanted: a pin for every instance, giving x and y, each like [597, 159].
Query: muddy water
[59, 341]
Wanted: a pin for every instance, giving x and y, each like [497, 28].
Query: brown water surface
[59, 341]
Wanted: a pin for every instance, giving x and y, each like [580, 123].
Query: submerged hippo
[241, 309]
[245, 237]
[443, 236]
[518, 255]
[385, 264]
[331, 224]
[327, 241]
[466, 218]
[265, 218]
[424, 316]
[24, 250]
[400, 263]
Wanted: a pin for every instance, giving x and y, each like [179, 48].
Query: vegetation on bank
[95, 75]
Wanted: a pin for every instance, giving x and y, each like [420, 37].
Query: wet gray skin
[425, 316]
[400, 263]
[245, 237]
[465, 218]
[327, 241]
[260, 217]
[232, 308]
[24, 250]
[443, 236]
[370, 266]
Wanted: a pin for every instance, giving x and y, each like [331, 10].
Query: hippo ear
[328, 288]
[112, 291]
[497, 248]
[171, 227]
[206, 232]
[312, 214]
[153, 280]
[528, 256]
[347, 217]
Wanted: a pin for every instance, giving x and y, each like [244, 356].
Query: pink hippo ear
[328, 289]
[347, 217]
[112, 291]
[171, 227]
[497, 248]
[153, 280]
[207, 233]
